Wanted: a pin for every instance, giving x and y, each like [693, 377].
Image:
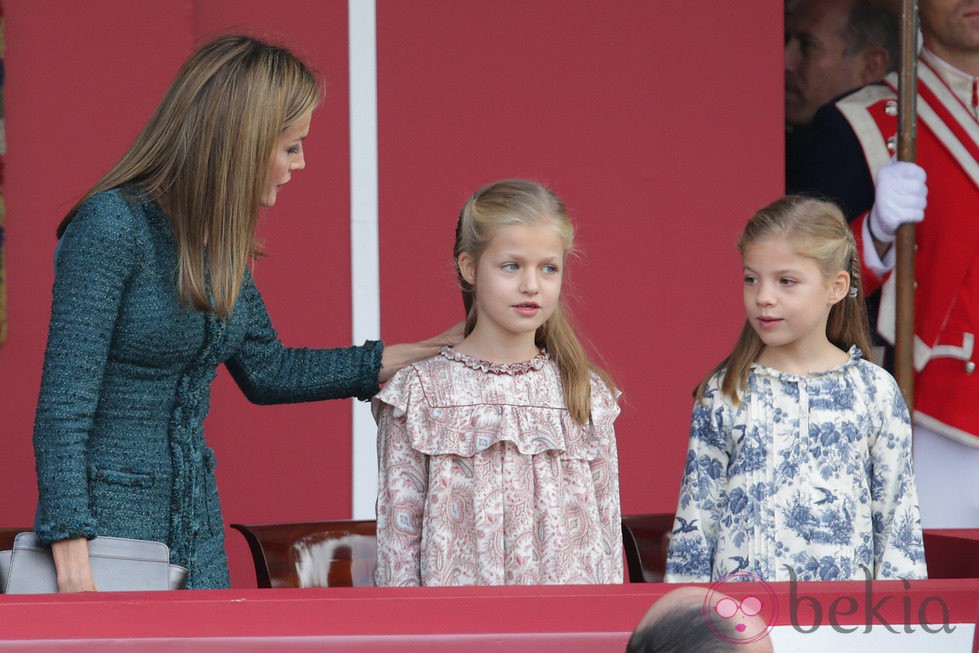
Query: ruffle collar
[854, 354]
[448, 408]
[536, 363]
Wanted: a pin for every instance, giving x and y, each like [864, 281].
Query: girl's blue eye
[550, 268]
[510, 266]
[749, 281]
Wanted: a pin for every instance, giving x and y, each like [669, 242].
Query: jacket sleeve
[269, 373]
[605, 477]
[702, 495]
[401, 496]
[874, 270]
[92, 262]
[898, 545]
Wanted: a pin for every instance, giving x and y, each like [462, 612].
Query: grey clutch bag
[118, 565]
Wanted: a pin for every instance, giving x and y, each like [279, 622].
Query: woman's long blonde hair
[512, 202]
[818, 230]
[205, 154]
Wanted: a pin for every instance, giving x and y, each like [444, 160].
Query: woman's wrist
[398, 356]
[73, 566]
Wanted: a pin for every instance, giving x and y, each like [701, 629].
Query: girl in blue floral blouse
[799, 464]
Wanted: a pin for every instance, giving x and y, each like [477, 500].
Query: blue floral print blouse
[808, 477]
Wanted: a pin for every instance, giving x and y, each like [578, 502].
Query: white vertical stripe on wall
[364, 270]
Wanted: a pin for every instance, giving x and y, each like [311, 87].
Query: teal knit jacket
[118, 434]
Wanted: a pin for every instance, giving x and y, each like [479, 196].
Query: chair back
[7, 536]
[646, 540]
[952, 552]
[340, 553]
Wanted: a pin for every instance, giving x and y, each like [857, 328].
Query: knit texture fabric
[118, 434]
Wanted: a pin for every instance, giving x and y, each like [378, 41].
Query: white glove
[900, 197]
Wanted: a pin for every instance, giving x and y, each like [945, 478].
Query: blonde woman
[152, 293]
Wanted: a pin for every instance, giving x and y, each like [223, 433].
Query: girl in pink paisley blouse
[497, 458]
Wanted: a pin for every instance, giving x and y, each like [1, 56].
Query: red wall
[659, 124]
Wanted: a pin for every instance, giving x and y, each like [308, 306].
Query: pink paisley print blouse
[485, 479]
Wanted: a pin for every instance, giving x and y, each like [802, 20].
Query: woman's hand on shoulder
[448, 338]
[73, 566]
[397, 356]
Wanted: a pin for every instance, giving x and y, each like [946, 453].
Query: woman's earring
[852, 292]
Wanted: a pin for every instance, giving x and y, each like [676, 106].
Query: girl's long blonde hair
[205, 154]
[512, 202]
[818, 230]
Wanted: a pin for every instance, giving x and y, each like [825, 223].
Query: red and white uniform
[947, 258]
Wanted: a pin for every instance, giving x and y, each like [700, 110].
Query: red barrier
[574, 618]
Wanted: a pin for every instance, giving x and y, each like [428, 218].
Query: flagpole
[905, 245]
